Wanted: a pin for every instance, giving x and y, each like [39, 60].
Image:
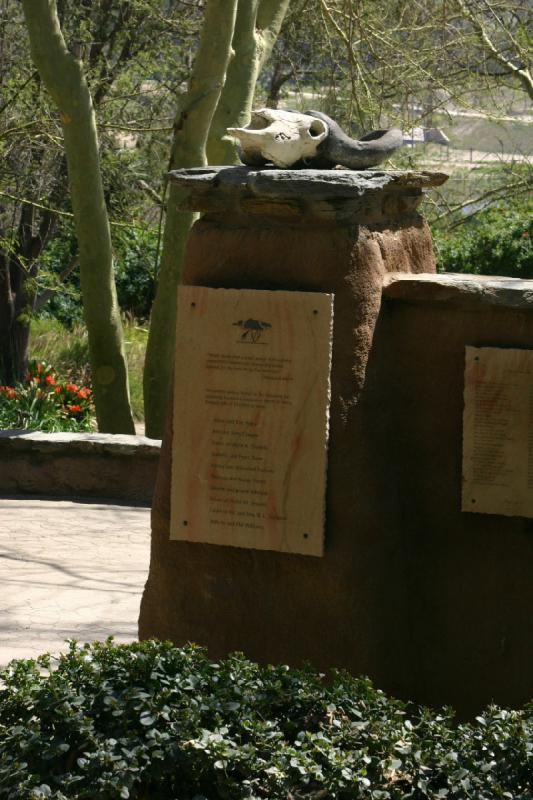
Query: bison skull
[282, 137]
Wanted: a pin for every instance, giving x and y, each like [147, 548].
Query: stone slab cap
[459, 289]
[92, 443]
[291, 193]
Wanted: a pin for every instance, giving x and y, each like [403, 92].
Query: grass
[67, 350]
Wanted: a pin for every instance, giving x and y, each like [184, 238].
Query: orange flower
[49, 380]
[73, 409]
[71, 387]
[83, 393]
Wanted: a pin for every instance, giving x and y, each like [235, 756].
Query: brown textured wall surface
[335, 610]
[468, 577]
[433, 604]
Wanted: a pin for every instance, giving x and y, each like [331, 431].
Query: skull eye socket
[317, 128]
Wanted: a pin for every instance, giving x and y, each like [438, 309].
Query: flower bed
[42, 402]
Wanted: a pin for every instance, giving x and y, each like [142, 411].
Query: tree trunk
[256, 29]
[191, 128]
[277, 81]
[7, 316]
[63, 77]
[18, 271]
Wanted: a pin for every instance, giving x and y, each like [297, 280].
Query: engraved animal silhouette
[252, 328]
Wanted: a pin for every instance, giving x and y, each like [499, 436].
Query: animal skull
[287, 137]
[282, 137]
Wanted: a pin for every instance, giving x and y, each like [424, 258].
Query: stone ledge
[116, 444]
[457, 289]
[78, 464]
[334, 194]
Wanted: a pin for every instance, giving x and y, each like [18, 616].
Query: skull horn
[370, 150]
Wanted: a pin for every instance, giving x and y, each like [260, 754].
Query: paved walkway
[69, 570]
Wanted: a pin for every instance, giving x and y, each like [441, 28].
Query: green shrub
[41, 402]
[135, 253]
[65, 304]
[151, 721]
[497, 241]
[134, 260]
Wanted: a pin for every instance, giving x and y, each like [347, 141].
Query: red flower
[57, 389]
[73, 409]
[49, 380]
[71, 387]
[38, 367]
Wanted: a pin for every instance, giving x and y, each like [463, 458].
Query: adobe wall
[468, 577]
[401, 561]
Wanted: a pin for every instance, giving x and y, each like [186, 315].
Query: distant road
[471, 158]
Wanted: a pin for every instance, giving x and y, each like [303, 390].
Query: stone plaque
[498, 432]
[250, 416]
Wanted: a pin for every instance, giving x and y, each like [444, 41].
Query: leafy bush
[135, 253]
[151, 721]
[134, 260]
[65, 304]
[496, 241]
[43, 403]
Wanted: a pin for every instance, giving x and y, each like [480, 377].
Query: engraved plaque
[498, 432]
[250, 417]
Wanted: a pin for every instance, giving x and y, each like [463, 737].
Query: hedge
[495, 241]
[149, 720]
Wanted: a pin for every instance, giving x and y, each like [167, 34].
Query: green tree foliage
[495, 241]
[63, 76]
[500, 33]
[374, 62]
[135, 254]
[135, 57]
